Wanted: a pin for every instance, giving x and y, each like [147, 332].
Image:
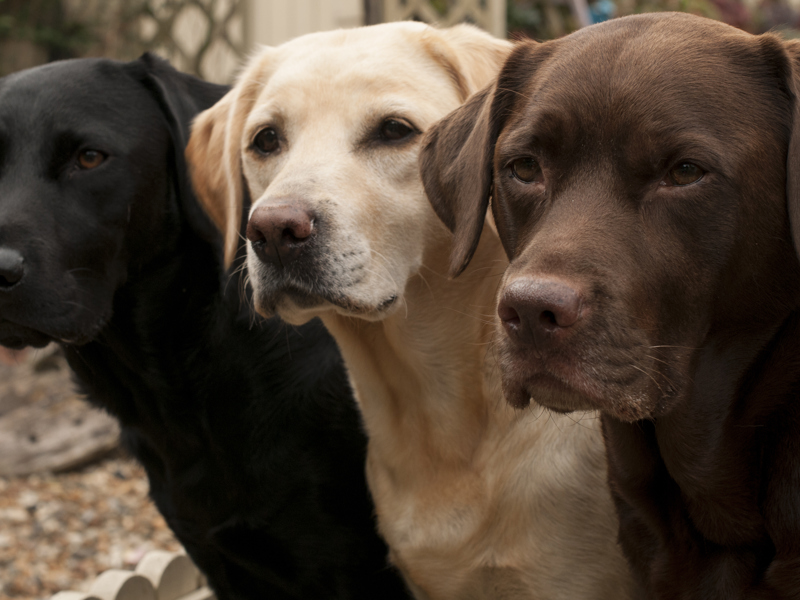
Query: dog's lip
[521, 384]
[16, 337]
[355, 308]
[310, 298]
[561, 387]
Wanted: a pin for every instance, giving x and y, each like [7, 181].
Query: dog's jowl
[643, 176]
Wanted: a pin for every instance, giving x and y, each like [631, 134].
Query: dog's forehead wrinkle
[358, 75]
[77, 123]
[301, 113]
[638, 139]
[353, 68]
[672, 68]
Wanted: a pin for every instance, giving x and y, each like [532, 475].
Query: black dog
[644, 180]
[247, 429]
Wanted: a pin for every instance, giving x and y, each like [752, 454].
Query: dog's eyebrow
[105, 138]
[391, 108]
[545, 132]
[269, 114]
[375, 116]
[548, 133]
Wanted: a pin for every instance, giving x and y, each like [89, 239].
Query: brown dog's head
[639, 174]
[324, 132]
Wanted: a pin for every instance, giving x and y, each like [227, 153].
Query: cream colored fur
[475, 499]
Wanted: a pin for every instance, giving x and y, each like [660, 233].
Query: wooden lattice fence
[205, 37]
[488, 14]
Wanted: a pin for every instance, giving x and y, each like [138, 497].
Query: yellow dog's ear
[214, 153]
[470, 56]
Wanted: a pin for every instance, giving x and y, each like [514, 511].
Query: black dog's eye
[684, 173]
[393, 130]
[527, 170]
[266, 141]
[90, 159]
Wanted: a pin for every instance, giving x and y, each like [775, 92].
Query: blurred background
[71, 503]
[210, 37]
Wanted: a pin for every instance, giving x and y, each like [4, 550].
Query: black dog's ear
[181, 97]
[456, 169]
[793, 159]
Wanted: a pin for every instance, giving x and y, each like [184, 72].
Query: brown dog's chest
[658, 527]
[714, 499]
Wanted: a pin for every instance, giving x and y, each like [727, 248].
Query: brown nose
[539, 310]
[279, 233]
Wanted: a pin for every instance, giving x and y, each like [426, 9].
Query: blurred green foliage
[42, 22]
[547, 19]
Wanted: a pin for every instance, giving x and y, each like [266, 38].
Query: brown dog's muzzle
[539, 312]
[279, 233]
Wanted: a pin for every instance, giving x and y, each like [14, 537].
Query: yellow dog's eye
[527, 170]
[90, 159]
[393, 130]
[684, 173]
[266, 141]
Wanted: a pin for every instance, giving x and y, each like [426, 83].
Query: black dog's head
[638, 179]
[92, 185]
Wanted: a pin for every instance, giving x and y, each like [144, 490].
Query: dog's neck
[738, 387]
[424, 373]
[710, 457]
[146, 335]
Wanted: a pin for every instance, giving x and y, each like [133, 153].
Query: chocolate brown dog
[644, 182]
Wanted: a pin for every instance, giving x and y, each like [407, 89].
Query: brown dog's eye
[527, 170]
[393, 130]
[90, 159]
[684, 174]
[266, 141]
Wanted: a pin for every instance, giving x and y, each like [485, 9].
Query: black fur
[247, 428]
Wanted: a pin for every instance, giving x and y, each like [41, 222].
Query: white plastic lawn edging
[159, 575]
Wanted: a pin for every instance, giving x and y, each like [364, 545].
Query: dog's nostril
[508, 314]
[289, 235]
[11, 268]
[539, 310]
[280, 233]
[548, 318]
[254, 234]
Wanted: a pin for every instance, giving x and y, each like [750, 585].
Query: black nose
[539, 310]
[11, 268]
[279, 233]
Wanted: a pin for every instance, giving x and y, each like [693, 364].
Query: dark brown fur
[687, 338]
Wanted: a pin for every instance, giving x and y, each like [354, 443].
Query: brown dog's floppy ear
[793, 159]
[456, 160]
[457, 153]
[456, 169]
[214, 155]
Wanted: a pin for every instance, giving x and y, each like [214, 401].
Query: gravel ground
[58, 532]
